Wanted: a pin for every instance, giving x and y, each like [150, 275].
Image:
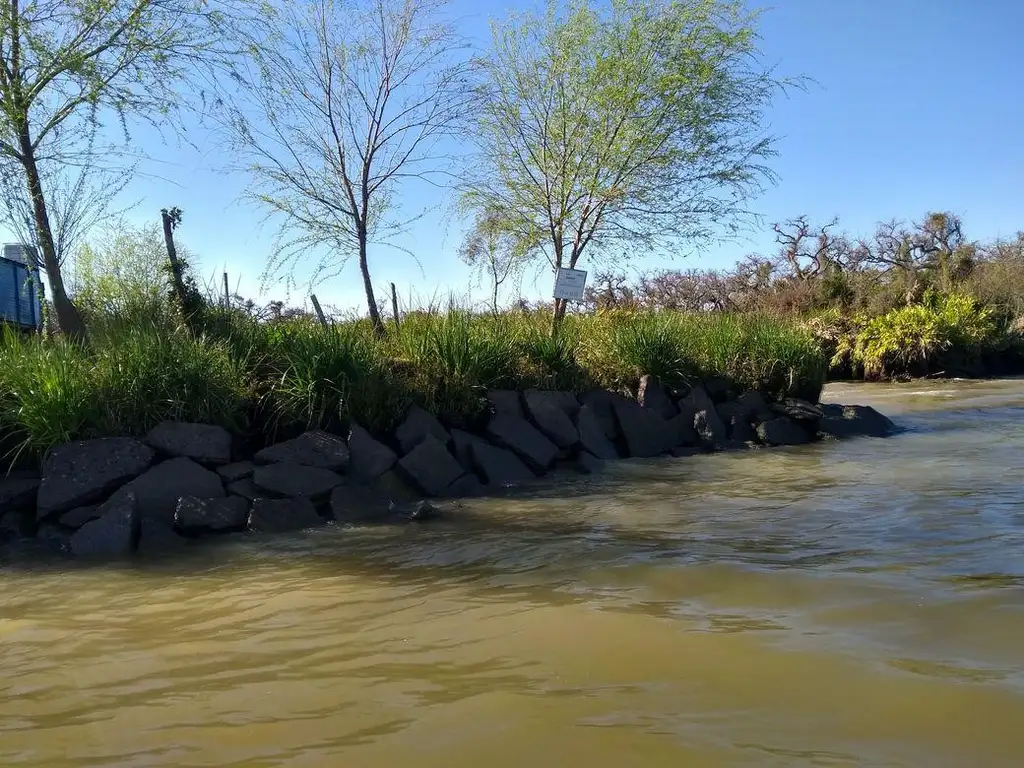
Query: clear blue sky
[919, 105]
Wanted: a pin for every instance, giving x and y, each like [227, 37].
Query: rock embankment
[111, 497]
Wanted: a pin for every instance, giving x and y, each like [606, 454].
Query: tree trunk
[69, 319]
[371, 300]
[172, 257]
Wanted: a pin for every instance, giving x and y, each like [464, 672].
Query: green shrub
[942, 331]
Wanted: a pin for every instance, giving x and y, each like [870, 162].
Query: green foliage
[625, 126]
[953, 330]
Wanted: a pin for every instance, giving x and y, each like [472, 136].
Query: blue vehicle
[19, 289]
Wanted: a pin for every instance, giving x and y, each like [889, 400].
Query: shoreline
[112, 498]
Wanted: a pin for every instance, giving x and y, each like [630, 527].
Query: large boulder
[393, 485]
[369, 458]
[696, 400]
[281, 515]
[752, 406]
[602, 403]
[239, 470]
[79, 516]
[652, 394]
[417, 426]
[506, 401]
[593, 437]
[196, 515]
[430, 467]
[521, 437]
[315, 448]
[156, 537]
[467, 486]
[740, 430]
[497, 466]
[841, 421]
[295, 480]
[114, 534]
[88, 471]
[548, 413]
[782, 430]
[461, 443]
[205, 443]
[683, 428]
[589, 464]
[18, 491]
[245, 488]
[798, 410]
[159, 489]
[710, 428]
[645, 433]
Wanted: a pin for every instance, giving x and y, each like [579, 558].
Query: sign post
[569, 284]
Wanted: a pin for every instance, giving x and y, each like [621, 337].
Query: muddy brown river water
[843, 604]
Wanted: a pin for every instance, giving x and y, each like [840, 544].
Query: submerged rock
[782, 430]
[205, 443]
[854, 421]
[195, 515]
[281, 515]
[75, 474]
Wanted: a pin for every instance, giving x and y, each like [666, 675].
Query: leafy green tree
[621, 127]
[68, 65]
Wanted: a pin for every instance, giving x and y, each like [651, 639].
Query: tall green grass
[273, 377]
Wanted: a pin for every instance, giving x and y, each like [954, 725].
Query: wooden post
[319, 312]
[171, 219]
[394, 306]
[227, 293]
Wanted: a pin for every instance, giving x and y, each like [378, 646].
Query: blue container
[19, 295]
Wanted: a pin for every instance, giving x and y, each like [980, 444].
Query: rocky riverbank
[116, 496]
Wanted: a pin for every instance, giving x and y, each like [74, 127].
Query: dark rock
[567, 401]
[280, 515]
[461, 444]
[710, 428]
[158, 490]
[315, 448]
[782, 430]
[497, 466]
[752, 406]
[652, 395]
[697, 400]
[114, 533]
[430, 467]
[467, 486]
[245, 488]
[550, 417]
[718, 388]
[205, 443]
[602, 404]
[740, 430]
[588, 463]
[854, 421]
[799, 410]
[504, 401]
[685, 451]
[524, 439]
[79, 516]
[195, 515]
[53, 538]
[360, 504]
[18, 491]
[17, 524]
[418, 424]
[237, 471]
[422, 511]
[87, 471]
[683, 428]
[295, 480]
[156, 538]
[395, 487]
[646, 434]
[593, 437]
[369, 458]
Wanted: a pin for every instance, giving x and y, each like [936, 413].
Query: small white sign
[569, 284]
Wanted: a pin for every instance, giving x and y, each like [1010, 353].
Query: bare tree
[349, 101]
